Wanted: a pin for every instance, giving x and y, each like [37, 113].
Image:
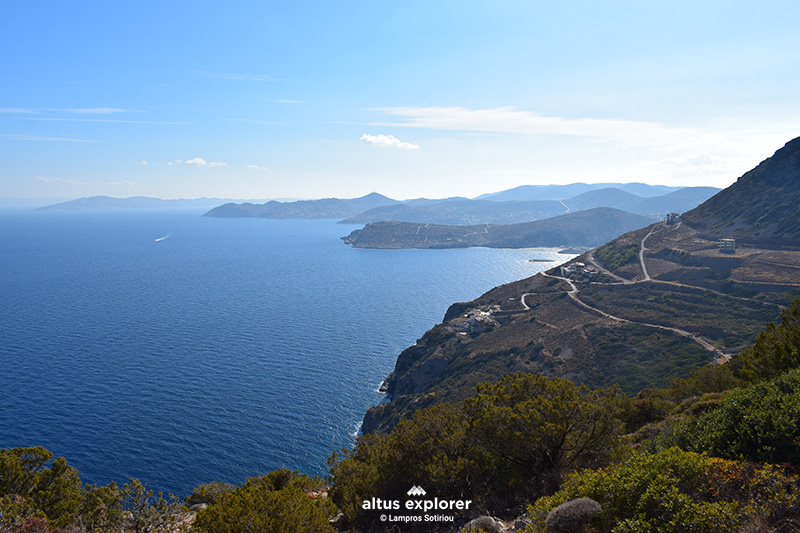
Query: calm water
[180, 349]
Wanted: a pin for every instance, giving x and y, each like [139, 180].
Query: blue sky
[435, 98]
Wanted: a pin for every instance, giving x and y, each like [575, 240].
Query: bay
[178, 349]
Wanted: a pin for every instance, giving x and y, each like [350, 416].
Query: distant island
[92, 203]
[324, 208]
[583, 228]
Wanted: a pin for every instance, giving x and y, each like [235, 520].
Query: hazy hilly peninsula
[636, 311]
[324, 208]
[461, 211]
[583, 228]
[133, 202]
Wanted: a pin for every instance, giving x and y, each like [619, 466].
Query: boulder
[486, 524]
[572, 516]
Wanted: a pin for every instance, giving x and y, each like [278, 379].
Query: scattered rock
[520, 524]
[486, 524]
[572, 516]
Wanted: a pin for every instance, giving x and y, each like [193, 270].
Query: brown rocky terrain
[637, 311]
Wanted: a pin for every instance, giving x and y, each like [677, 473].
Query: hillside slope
[762, 207]
[637, 311]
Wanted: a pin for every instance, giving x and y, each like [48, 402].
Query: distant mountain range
[462, 211]
[586, 228]
[523, 204]
[562, 192]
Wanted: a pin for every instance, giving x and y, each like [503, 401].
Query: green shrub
[147, 510]
[674, 491]
[776, 350]
[209, 492]
[50, 486]
[279, 502]
[613, 256]
[757, 423]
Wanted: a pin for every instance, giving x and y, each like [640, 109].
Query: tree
[148, 511]
[499, 448]
[432, 450]
[529, 429]
[51, 487]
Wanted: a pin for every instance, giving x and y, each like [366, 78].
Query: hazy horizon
[6, 202]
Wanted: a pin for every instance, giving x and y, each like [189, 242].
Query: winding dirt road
[575, 291]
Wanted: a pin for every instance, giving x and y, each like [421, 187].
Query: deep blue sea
[178, 349]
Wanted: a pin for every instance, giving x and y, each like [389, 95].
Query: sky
[311, 99]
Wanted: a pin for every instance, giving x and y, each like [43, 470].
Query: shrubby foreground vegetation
[716, 451]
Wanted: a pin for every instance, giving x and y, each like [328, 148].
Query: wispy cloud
[240, 77]
[96, 110]
[74, 183]
[512, 120]
[20, 110]
[143, 163]
[200, 162]
[256, 167]
[388, 140]
[253, 121]
[691, 164]
[37, 138]
[110, 120]
[82, 111]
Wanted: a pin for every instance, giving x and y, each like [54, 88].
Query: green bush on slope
[756, 423]
[34, 485]
[279, 502]
[674, 491]
[508, 443]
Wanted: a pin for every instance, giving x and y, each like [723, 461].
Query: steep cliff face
[636, 311]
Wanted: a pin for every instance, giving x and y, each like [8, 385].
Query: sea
[180, 349]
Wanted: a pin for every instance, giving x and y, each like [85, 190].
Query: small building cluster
[578, 271]
[672, 218]
[727, 246]
[476, 321]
